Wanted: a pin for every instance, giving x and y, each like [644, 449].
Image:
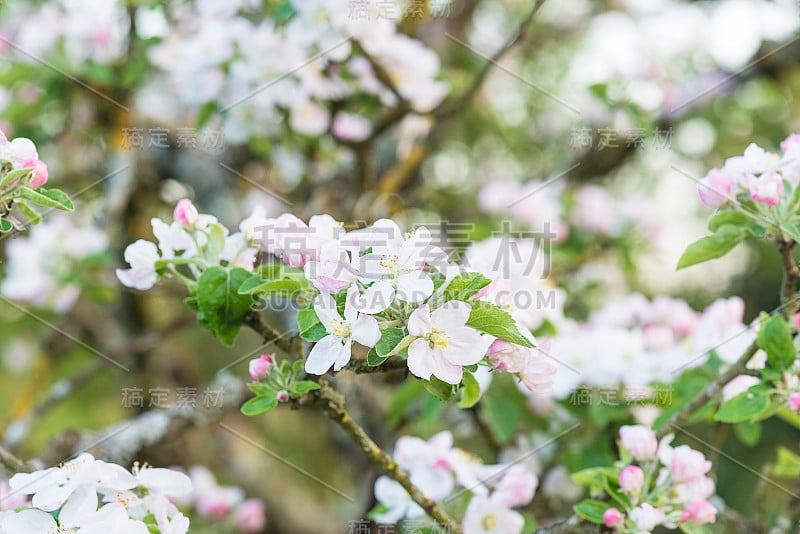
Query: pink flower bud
[612, 517]
[688, 464]
[700, 512]
[250, 516]
[38, 172]
[766, 189]
[715, 189]
[796, 320]
[260, 367]
[282, 396]
[794, 401]
[640, 441]
[185, 213]
[631, 479]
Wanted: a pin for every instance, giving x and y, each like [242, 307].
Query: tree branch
[332, 405]
[12, 463]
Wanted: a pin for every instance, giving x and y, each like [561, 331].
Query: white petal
[81, 505]
[351, 304]
[415, 286]
[344, 355]
[49, 499]
[446, 371]
[452, 315]
[28, 483]
[323, 355]
[172, 483]
[366, 331]
[420, 359]
[419, 323]
[466, 346]
[325, 306]
[29, 522]
[377, 297]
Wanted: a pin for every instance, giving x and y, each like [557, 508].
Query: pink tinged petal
[452, 315]
[446, 371]
[28, 522]
[325, 306]
[171, 483]
[365, 330]
[466, 346]
[420, 359]
[419, 323]
[80, 505]
[414, 287]
[323, 355]
[22, 149]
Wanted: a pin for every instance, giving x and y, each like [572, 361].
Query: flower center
[388, 262]
[437, 339]
[340, 328]
[489, 522]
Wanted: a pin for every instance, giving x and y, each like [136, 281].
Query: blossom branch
[457, 104]
[332, 405]
[12, 463]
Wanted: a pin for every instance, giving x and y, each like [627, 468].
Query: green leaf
[502, 415]
[6, 226]
[775, 338]
[470, 391]
[441, 390]
[464, 286]
[788, 464]
[748, 433]
[594, 477]
[373, 358]
[735, 218]
[390, 339]
[745, 405]
[301, 387]
[284, 287]
[28, 212]
[220, 307]
[490, 319]
[14, 176]
[592, 510]
[52, 198]
[261, 390]
[714, 246]
[259, 405]
[309, 325]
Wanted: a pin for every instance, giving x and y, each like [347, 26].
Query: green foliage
[502, 415]
[776, 339]
[464, 286]
[50, 198]
[220, 307]
[592, 510]
[470, 391]
[725, 239]
[309, 325]
[490, 319]
[441, 390]
[745, 406]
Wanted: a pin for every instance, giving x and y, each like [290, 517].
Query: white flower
[397, 501]
[444, 343]
[646, 517]
[141, 256]
[396, 262]
[335, 348]
[491, 516]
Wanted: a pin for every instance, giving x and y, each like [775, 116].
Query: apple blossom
[334, 350]
[250, 517]
[767, 188]
[646, 517]
[516, 487]
[687, 464]
[715, 189]
[612, 517]
[640, 441]
[185, 213]
[261, 367]
[700, 512]
[794, 401]
[631, 479]
[444, 344]
[141, 256]
[489, 516]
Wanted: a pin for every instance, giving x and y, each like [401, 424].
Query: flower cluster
[223, 504]
[196, 241]
[765, 178]
[634, 341]
[341, 56]
[45, 267]
[656, 484]
[92, 496]
[438, 469]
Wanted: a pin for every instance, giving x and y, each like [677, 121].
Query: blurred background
[598, 121]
